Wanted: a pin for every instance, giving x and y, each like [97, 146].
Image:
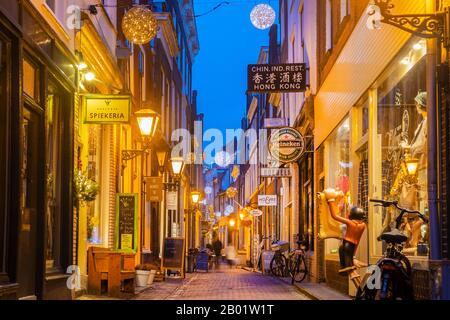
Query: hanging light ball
[262, 16]
[139, 25]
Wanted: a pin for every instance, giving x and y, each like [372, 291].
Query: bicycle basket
[280, 246]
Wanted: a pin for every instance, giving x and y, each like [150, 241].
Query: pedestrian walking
[217, 246]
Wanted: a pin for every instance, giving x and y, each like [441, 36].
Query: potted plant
[145, 274]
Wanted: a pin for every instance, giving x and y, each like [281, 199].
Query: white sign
[172, 201]
[271, 123]
[276, 172]
[256, 213]
[267, 201]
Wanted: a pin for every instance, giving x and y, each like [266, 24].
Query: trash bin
[191, 260]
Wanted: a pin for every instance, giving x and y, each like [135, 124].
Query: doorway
[30, 208]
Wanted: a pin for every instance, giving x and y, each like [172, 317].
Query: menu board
[126, 222]
[174, 254]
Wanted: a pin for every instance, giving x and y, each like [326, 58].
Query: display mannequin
[356, 226]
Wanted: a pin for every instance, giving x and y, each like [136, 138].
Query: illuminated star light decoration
[139, 25]
[262, 16]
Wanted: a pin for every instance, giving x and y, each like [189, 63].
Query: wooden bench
[115, 268]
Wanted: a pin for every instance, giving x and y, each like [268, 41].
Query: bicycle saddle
[394, 236]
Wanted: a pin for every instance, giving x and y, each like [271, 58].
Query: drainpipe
[435, 244]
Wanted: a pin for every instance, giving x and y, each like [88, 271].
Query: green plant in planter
[85, 189]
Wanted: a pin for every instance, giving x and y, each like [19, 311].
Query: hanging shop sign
[126, 222]
[154, 189]
[267, 201]
[275, 123]
[287, 145]
[172, 201]
[106, 109]
[256, 213]
[276, 172]
[266, 78]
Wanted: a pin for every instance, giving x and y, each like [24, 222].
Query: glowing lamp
[177, 166]
[148, 121]
[139, 25]
[195, 195]
[262, 16]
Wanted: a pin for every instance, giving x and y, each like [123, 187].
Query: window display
[402, 128]
[339, 166]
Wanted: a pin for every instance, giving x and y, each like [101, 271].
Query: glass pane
[402, 127]
[93, 173]
[339, 166]
[4, 64]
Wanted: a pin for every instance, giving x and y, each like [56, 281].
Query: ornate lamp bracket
[128, 155]
[429, 26]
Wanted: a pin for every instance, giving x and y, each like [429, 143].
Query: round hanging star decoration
[139, 25]
[262, 16]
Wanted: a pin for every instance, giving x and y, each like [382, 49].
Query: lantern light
[148, 121]
[195, 195]
[411, 166]
[177, 166]
[139, 25]
[232, 223]
[89, 76]
[262, 16]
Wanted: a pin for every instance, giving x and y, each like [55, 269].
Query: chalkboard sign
[174, 254]
[126, 222]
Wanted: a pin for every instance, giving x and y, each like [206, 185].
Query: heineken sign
[287, 145]
[106, 109]
[267, 78]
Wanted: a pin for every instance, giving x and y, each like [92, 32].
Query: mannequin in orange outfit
[355, 229]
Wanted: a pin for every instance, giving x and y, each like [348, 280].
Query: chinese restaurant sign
[287, 145]
[107, 109]
[127, 222]
[267, 78]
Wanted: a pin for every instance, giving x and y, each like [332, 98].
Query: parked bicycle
[395, 267]
[298, 269]
[279, 263]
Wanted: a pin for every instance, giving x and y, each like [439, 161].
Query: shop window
[402, 128]
[31, 80]
[337, 150]
[54, 132]
[328, 25]
[344, 9]
[93, 209]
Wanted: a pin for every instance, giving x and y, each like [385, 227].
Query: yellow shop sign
[107, 109]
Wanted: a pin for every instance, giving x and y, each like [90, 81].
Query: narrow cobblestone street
[224, 284]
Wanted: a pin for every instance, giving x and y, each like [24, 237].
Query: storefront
[377, 148]
[37, 123]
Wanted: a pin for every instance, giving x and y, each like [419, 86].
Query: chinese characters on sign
[277, 78]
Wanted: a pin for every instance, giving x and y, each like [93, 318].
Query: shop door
[29, 203]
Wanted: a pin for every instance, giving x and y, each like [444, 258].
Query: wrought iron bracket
[429, 26]
[128, 155]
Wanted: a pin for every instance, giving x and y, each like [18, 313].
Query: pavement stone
[223, 284]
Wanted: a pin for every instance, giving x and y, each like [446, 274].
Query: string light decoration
[262, 16]
[139, 25]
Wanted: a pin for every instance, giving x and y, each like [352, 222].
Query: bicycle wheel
[299, 270]
[278, 265]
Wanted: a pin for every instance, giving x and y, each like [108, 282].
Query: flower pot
[142, 278]
[151, 277]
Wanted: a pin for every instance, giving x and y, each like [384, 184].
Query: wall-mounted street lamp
[411, 165]
[148, 121]
[162, 158]
[195, 196]
[177, 166]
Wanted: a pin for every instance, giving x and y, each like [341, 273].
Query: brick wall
[333, 279]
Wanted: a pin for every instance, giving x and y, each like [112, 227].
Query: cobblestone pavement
[224, 284]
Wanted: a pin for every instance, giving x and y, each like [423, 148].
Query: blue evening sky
[228, 43]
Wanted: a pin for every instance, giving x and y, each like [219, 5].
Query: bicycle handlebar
[403, 211]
